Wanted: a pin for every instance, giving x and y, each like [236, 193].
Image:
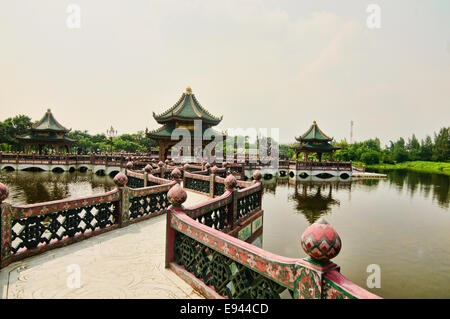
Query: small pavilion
[314, 141]
[47, 132]
[182, 115]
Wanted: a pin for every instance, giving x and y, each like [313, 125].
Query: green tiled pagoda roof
[312, 147]
[314, 133]
[187, 108]
[49, 123]
[167, 129]
[51, 138]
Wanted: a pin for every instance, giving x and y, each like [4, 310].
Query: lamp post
[111, 134]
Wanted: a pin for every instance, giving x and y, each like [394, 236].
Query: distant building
[314, 141]
[47, 132]
[182, 115]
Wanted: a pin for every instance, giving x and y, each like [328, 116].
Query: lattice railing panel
[196, 184]
[247, 204]
[217, 218]
[32, 231]
[148, 204]
[228, 277]
[134, 182]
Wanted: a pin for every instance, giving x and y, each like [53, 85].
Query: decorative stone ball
[166, 161]
[4, 192]
[186, 166]
[230, 182]
[321, 241]
[257, 175]
[207, 165]
[148, 168]
[121, 179]
[176, 173]
[224, 165]
[203, 162]
[129, 165]
[160, 164]
[214, 169]
[176, 195]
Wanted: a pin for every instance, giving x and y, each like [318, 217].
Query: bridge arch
[58, 169]
[9, 168]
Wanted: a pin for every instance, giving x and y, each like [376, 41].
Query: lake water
[401, 223]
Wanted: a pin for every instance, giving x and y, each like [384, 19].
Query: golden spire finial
[314, 122]
[48, 110]
[188, 90]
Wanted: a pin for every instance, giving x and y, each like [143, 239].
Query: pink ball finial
[186, 167]
[4, 192]
[230, 182]
[257, 175]
[148, 168]
[176, 195]
[121, 179]
[214, 169]
[207, 165]
[176, 173]
[160, 164]
[129, 165]
[321, 241]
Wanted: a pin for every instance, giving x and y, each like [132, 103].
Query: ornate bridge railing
[212, 184]
[339, 166]
[219, 265]
[28, 230]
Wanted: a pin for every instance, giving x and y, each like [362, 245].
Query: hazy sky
[261, 64]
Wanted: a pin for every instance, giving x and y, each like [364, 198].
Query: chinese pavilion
[47, 132]
[314, 141]
[182, 115]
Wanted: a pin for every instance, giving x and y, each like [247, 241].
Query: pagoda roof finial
[188, 90]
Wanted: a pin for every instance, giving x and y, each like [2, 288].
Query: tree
[426, 149]
[413, 149]
[371, 157]
[441, 149]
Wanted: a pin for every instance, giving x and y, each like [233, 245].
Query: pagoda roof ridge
[187, 108]
[48, 122]
[314, 133]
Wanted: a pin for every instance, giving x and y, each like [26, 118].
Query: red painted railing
[28, 230]
[219, 265]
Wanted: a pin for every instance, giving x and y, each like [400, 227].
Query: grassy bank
[421, 166]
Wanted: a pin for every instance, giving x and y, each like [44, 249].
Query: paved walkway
[123, 263]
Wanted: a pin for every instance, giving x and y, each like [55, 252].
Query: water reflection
[421, 183]
[314, 199]
[35, 187]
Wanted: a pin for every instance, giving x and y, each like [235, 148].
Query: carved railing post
[212, 179]
[176, 175]
[176, 196]
[230, 187]
[123, 213]
[321, 242]
[5, 225]
[148, 170]
[257, 180]
[161, 169]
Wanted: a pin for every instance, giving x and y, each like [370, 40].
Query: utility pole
[351, 131]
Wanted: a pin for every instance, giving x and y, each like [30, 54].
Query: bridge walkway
[123, 263]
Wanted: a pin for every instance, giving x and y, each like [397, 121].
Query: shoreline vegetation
[419, 166]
